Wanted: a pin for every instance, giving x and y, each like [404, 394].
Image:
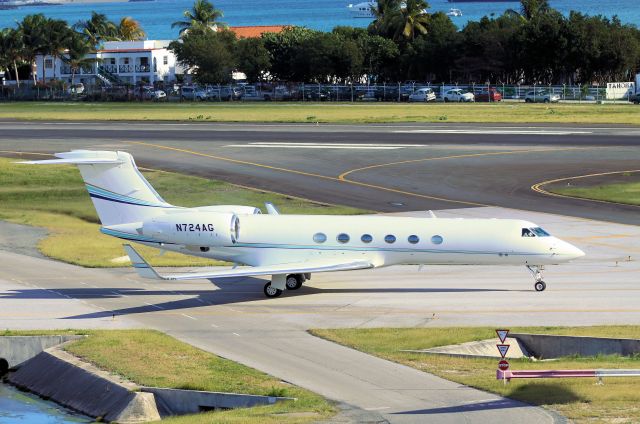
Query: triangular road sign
[503, 348]
[502, 335]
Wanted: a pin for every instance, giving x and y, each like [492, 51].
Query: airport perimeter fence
[279, 92]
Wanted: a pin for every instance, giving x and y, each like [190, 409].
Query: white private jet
[292, 247]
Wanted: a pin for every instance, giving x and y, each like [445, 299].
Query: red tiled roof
[255, 31]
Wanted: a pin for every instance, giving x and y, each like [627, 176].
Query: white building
[118, 62]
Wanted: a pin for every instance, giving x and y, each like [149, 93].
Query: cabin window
[527, 233]
[540, 232]
[366, 238]
[437, 239]
[390, 238]
[319, 237]
[343, 238]
[413, 239]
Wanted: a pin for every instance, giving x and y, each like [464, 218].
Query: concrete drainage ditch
[541, 347]
[38, 364]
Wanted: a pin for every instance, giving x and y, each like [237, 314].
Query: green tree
[11, 50]
[208, 55]
[32, 28]
[56, 39]
[202, 16]
[530, 9]
[97, 29]
[385, 13]
[412, 19]
[253, 58]
[283, 49]
[78, 48]
[129, 30]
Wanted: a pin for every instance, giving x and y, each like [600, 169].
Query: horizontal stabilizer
[76, 161]
[80, 157]
[145, 270]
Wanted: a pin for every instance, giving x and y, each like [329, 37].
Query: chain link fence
[281, 92]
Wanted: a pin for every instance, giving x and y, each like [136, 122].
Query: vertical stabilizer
[118, 190]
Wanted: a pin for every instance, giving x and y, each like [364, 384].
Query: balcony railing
[129, 69]
[66, 70]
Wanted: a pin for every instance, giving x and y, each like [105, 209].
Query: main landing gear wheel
[294, 281]
[271, 291]
[540, 286]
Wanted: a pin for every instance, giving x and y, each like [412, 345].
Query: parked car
[458, 95]
[317, 94]
[76, 88]
[251, 94]
[490, 95]
[153, 94]
[193, 93]
[423, 95]
[541, 97]
[635, 98]
[279, 93]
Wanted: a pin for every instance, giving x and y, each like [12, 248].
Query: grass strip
[54, 197]
[579, 399]
[325, 112]
[627, 193]
[151, 358]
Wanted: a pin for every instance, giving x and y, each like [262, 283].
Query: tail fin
[118, 190]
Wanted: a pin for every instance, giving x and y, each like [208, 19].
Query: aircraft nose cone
[571, 252]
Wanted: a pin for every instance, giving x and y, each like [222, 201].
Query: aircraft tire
[294, 282]
[271, 291]
[540, 286]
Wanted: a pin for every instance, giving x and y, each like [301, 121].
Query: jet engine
[194, 228]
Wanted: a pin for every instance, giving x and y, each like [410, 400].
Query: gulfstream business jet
[292, 247]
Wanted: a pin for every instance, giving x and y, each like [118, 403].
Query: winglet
[271, 209]
[142, 267]
[433, 215]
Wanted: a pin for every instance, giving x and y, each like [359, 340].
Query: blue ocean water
[156, 16]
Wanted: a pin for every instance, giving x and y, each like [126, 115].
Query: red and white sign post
[503, 348]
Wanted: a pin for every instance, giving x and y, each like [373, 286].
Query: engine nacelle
[194, 228]
[236, 209]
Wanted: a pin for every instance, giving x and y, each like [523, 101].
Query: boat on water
[362, 10]
[454, 12]
[483, 1]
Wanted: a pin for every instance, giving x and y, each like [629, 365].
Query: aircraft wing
[145, 270]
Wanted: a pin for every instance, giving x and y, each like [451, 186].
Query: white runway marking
[492, 132]
[353, 146]
[189, 316]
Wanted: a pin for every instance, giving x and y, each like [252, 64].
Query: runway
[458, 170]
[386, 168]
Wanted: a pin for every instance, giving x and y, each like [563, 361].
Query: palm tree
[57, 37]
[413, 18]
[529, 9]
[32, 29]
[202, 16]
[97, 29]
[11, 48]
[76, 55]
[384, 12]
[130, 30]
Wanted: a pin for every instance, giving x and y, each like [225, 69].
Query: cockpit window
[534, 232]
[540, 232]
[527, 233]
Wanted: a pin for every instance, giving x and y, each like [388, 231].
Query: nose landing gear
[536, 272]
